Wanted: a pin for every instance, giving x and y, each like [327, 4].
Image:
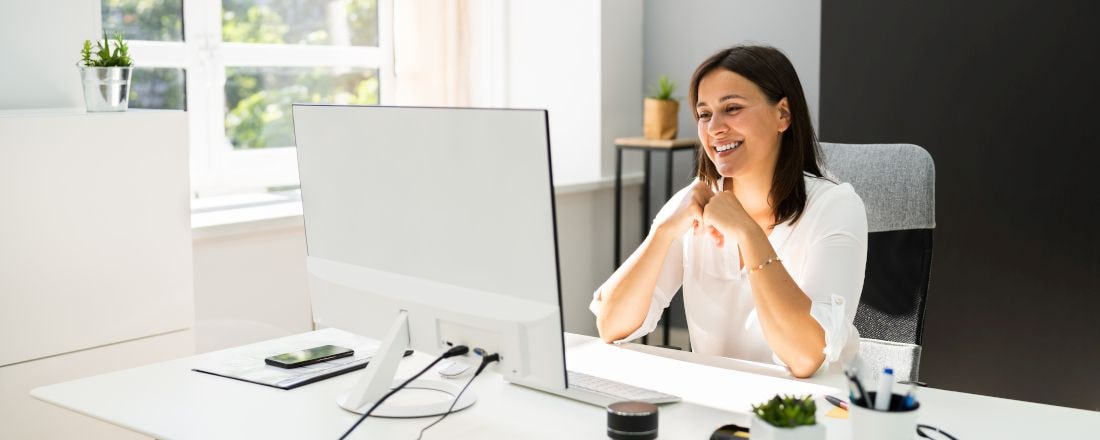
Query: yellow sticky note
[837, 413]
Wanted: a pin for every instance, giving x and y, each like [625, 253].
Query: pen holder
[870, 424]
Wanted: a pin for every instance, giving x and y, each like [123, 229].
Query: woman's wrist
[752, 236]
[664, 233]
[742, 233]
[752, 232]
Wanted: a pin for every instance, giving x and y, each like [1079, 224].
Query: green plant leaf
[663, 90]
[787, 411]
[86, 53]
[104, 56]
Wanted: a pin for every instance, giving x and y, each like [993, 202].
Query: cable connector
[485, 360]
[457, 350]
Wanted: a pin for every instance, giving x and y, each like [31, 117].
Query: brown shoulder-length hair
[773, 73]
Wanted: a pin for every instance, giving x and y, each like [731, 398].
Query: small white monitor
[441, 219]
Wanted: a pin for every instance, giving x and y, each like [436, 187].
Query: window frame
[217, 168]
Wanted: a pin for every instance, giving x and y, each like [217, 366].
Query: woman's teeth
[729, 146]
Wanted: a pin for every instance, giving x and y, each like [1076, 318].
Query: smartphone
[308, 356]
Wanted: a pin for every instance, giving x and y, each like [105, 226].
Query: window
[237, 66]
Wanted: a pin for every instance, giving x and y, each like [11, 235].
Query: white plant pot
[761, 430]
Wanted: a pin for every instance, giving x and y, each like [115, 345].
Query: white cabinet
[24, 417]
[95, 247]
[95, 230]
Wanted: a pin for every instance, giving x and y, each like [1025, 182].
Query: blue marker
[911, 398]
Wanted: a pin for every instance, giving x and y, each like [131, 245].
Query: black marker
[855, 390]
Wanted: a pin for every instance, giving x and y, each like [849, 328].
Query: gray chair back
[897, 185]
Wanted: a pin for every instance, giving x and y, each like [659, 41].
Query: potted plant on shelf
[786, 418]
[659, 118]
[106, 74]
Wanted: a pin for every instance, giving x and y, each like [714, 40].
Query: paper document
[247, 363]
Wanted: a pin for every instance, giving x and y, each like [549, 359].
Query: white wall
[581, 60]
[621, 90]
[250, 286]
[585, 245]
[41, 45]
[681, 34]
[553, 60]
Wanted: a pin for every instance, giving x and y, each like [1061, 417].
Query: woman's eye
[704, 115]
[732, 108]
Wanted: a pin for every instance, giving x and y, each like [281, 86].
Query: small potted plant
[105, 73]
[786, 418]
[661, 108]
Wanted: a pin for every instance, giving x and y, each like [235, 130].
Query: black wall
[1003, 94]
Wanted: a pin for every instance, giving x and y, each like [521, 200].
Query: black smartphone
[308, 356]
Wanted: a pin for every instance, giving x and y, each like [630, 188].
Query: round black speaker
[632, 421]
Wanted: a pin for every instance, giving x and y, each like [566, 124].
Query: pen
[910, 398]
[855, 389]
[837, 402]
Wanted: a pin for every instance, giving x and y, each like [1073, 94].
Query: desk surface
[168, 400]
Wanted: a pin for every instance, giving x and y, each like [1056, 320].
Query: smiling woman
[767, 77]
[769, 252]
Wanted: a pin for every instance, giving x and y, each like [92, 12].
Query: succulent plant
[104, 56]
[787, 411]
[663, 90]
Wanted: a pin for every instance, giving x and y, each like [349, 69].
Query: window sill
[246, 220]
[73, 111]
[248, 214]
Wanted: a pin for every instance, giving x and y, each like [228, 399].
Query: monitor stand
[378, 379]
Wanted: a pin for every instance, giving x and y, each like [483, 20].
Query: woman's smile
[726, 148]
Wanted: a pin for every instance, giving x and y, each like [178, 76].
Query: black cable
[454, 351]
[485, 361]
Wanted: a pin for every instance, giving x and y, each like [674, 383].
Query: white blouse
[825, 253]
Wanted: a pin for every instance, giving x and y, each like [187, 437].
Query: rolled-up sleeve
[668, 281]
[834, 271]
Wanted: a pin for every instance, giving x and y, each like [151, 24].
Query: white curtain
[449, 52]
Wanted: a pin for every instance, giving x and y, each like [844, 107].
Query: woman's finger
[701, 199]
[719, 239]
[697, 218]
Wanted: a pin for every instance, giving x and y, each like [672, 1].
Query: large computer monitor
[433, 227]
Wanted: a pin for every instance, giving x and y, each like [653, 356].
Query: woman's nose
[716, 126]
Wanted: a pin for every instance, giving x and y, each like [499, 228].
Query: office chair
[897, 184]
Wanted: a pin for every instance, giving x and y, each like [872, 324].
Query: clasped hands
[719, 215]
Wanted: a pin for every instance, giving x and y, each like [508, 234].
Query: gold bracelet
[762, 265]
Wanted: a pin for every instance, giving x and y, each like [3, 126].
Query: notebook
[247, 363]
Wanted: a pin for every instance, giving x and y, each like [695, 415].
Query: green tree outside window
[258, 99]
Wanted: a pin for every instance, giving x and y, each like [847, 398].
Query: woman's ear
[784, 109]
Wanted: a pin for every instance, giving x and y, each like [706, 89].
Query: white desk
[168, 400]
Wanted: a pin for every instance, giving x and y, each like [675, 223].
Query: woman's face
[739, 129]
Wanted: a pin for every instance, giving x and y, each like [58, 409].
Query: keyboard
[602, 392]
